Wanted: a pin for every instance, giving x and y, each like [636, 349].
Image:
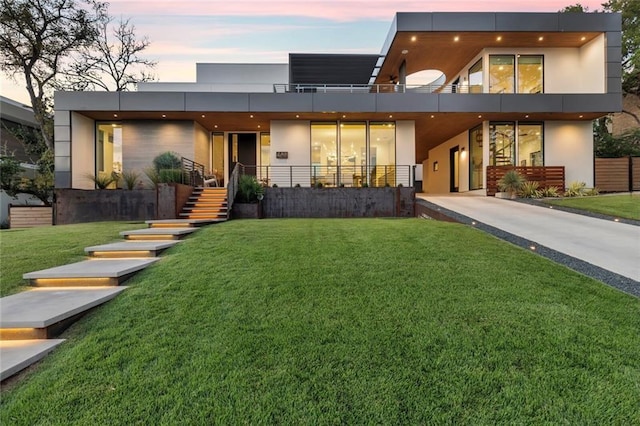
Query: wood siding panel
[29, 217]
[546, 176]
[612, 174]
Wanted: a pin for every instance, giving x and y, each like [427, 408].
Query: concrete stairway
[206, 203]
[30, 320]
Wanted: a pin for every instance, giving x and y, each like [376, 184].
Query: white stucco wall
[438, 182]
[593, 67]
[405, 150]
[570, 144]
[83, 151]
[294, 137]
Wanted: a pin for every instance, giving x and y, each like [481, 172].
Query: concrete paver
[610, 245]
[42, 307]
[95, 268]
[159, 232]
[132, 246]
[16, 355]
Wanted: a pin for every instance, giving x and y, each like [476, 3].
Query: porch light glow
[414, 38]
[115, 115]
[405, 51]
[164, 115]
[581, 116]
[297, 116]
[251, 116]
[583, 38]
[479, 116]
[456, 38]
[540, 38]
[202, 116]
[499, 38]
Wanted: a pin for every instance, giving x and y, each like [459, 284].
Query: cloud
[335, 10]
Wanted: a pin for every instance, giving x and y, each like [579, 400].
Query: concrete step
[206, 203]
[209, 216]
[95, 272]
[16, 355]
[130, 249]
[43, 313]
[158, 233]
[176, 223]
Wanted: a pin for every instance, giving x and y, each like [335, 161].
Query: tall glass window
[324, 153]
[217, 157]
[501, 74]
[530, 143]
[530, 74]
[502, 144]
[353, 153]
[108, 150]
[382, 154]
[476, 77]
[475, 158]
[265, 157]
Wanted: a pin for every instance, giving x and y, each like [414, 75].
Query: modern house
[448, 96]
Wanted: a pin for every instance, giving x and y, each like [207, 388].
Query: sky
[185, 32]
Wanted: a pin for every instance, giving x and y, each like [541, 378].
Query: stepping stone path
[29, 320]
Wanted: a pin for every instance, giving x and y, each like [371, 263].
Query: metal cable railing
[376, 88]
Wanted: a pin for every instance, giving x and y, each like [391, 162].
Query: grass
[365, 321]
[32, 249]
[623, 206]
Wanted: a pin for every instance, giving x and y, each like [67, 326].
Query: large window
[530, 143]
[108, 150]
[367, 153]
[501, 74]
[382, 154]
[475, 156]
[476, 78]
[530, 74]
[353, 153]
[502, 144]
[324, 153]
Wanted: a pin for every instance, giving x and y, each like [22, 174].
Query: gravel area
[612, 279]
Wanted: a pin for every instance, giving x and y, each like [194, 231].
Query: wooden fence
[30, 216]
[546, 176]
[617, 174]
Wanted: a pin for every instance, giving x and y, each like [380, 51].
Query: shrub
[297, 185]
[511, 183]
[153, 176]
[592, 191]
[248, 189]
[575, 189]
[167, 160]
[171, 176]
[551, 191]
[319, 185]
[130, 179]
[530, 190]
[103, 180]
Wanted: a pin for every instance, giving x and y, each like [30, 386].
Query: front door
[454, 167]
[242, 149]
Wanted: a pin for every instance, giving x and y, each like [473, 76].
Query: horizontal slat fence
[617, 174]
[29, 217]
[546, 176]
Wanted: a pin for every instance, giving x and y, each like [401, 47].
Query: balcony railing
[333, 176]
[375, 88]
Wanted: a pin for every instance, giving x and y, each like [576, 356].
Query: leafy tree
[112, 62]
[575, 8]
[35, 38]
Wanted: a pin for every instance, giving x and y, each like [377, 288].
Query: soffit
[438, 50]
[430, 132]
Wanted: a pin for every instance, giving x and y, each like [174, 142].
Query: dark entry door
[242, 149]
[454, 169]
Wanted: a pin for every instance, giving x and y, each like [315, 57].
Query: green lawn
[361, 321]
[32, 249]
[623, 206]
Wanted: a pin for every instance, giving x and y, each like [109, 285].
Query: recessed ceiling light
[344, 116]
[405, 51]
[202, 116]
[414, 38]
[456, 38]
[581, 116]
[216, 126]
[479, 116]
[115, 115]
[297, 116]
[433, 116]
[251, 116]
[390, 116]
[164, 115]
[540, 38]
[526, 116]
[583, 38]
[258, 126]
[499, 38]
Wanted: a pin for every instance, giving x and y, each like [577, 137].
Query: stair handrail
[232, 186]
[194, 170]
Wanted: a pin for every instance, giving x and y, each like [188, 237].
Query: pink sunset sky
[183, 33]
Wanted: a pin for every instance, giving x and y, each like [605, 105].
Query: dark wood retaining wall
[617, 174]
[338, 202]
[79, 205]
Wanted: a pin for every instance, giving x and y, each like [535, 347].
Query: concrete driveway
[610, 245]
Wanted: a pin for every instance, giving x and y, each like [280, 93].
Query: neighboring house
[14, 115]
[507, 89]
